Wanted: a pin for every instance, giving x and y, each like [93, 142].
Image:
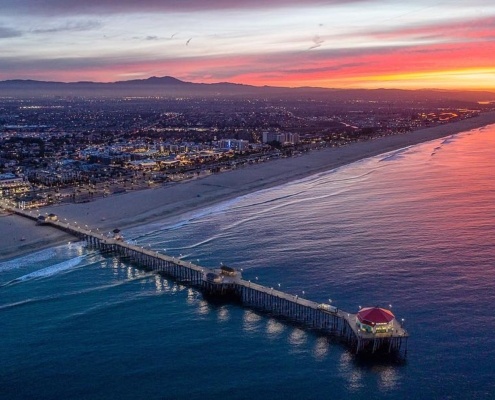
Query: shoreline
[149, 205]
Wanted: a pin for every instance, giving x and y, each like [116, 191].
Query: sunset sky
[335, 43]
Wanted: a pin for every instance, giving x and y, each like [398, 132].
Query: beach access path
[20, 236]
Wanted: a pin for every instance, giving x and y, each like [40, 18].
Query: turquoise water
[413, 228]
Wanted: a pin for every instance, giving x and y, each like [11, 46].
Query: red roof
[375, 315]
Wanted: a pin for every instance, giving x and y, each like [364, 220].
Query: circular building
[375, 320]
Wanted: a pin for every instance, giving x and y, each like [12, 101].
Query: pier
[361, 336]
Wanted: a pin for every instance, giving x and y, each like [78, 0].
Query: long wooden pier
[228, 282]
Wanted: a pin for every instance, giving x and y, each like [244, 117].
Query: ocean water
[414, 229]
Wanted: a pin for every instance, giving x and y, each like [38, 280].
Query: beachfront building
[233, 144]
[11, 185]
[281, 137]
[375, 320]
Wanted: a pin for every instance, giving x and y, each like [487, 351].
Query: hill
[171, 87]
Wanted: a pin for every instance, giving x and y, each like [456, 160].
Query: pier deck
[226, 281]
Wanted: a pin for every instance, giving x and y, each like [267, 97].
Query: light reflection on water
[352, 375]
[251, 321]
[274, 328]
[204, 308]
[321, 348]
[223, 314]
[388, 378]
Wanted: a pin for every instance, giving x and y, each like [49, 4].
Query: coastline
[145, 206]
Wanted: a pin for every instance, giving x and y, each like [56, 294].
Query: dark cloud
[6, 32]
[35, 65]
[68, 7]
[317, 42]
[71, 26]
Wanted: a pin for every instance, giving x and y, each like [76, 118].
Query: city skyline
[339, 44]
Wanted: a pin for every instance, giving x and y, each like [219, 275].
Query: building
[375, 320]
[281, 137]
[11, 185]
[233, 144]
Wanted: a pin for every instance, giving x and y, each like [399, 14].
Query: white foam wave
[49, 271]
[198, 244]
[395, 154]
[58, 296]
[39, 256]
[152, 229]
[28, 259]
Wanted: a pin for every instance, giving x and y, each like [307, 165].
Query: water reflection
[223, 314]
[297, 337]
[321, 348]
[349, 372]
[251, 321]
[203, 308]
[385, 375]
[274, 328]
[192, 296]
[160, 283]
[388, 377]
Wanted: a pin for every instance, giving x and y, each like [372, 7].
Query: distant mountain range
[168, 86]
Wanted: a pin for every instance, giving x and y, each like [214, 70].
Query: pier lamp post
[256, 278]
[279, 285]
[402, 322]
[390, 305]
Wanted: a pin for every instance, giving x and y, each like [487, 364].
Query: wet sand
[20, 235]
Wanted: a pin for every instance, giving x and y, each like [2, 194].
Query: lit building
[375, 320]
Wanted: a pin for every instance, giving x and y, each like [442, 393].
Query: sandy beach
[20, 235]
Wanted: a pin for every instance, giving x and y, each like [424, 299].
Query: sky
[334, 43]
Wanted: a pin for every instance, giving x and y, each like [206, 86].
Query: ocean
[412, 229]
